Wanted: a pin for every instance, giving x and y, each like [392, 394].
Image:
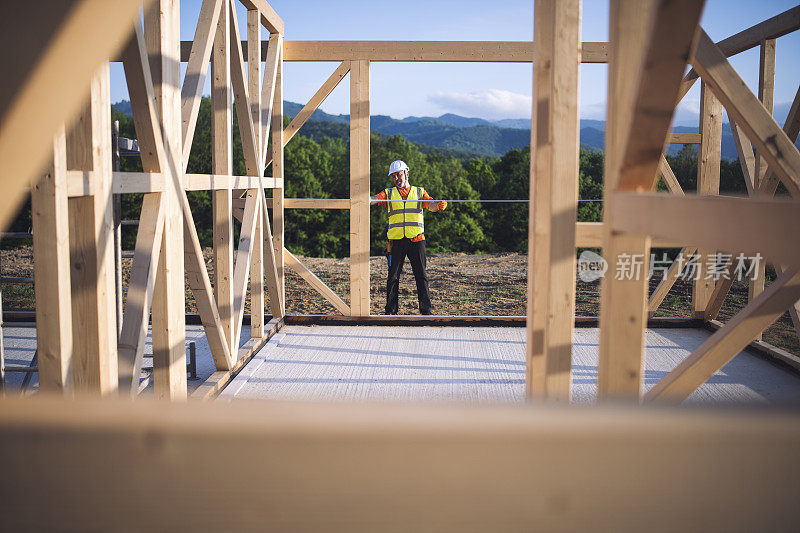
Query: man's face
[399, 178]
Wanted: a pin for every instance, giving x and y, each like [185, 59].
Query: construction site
[120, 410]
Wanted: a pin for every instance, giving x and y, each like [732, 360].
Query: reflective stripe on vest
[405, 218]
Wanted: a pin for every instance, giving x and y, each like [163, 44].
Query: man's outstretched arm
[432, 204]
[378, 199]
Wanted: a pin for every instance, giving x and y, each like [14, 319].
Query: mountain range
[467, 135]
[486, 137]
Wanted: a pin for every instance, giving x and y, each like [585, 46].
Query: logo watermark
[592, 266]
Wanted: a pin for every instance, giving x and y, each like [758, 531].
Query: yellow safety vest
[405, 218]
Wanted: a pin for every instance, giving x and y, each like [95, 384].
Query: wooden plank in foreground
[352, 467]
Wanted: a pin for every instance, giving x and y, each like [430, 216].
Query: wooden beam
[746, 157]
[274, 288]
[708, 169]
[145, 118]
[316, 203]
[766, 94]
[683, 138]
[257, 276]
[729, 340]
[491, 467]
[51, 273]
[721, 288]
[162, 35]
[222, 163]
[792, 128]
[194, 263]
[295, 264]
[208, 182]
[622, 301]
[196, 71]
[672, 275]
[429, 51]
[668, 46]
[418, 51]
[669, 177]
[213, 386]
[244, 256]
[81, 182]
[322, 93]
[554, 199]
[359, 188]
[727, 223]
[254, 79]
[141, 286]
[91, 249]
[742, 106]
[238, 79]
[772, 28]
[277, 194]
[55, 44]
[269, 17]
[268, 86]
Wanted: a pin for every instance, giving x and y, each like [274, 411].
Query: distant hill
[462, 136]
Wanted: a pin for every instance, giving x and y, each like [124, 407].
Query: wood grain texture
[708, 174]
[359, 187]
[162, 35]
[554, 199]
[55, 44]
[49, 218]
[622, 301]
[92, 253]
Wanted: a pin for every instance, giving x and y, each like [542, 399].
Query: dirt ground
[460, 284]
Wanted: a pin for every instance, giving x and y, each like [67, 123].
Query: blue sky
[487, 90]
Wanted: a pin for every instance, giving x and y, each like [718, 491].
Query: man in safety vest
[406, 234]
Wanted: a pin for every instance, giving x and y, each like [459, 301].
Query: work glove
[441, 205]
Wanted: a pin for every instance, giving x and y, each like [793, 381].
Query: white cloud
[488, 104]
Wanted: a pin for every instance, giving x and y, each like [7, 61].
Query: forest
[317, 166]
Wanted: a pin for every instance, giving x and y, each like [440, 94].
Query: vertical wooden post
[254, 73]
[91, 227]
[254, 93]
[766, 93]
[359, 187]
[222, 163]
[708, 165]
[116, 167]
[554, 198]
[162, 35]
[277, 173]
[623, 299]
[51, 276]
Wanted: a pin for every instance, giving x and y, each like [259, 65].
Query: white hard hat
[397, 166]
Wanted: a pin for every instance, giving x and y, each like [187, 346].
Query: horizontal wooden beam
[269, 18]
[313, 203]
[410, 51]
[726, 223]
[489, 467]
[590, 235]
[81, 182]
[683, 138]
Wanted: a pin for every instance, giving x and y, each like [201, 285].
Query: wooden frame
[448, 467]
[647, 53]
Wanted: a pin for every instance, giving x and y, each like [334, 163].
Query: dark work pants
[416, 255]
